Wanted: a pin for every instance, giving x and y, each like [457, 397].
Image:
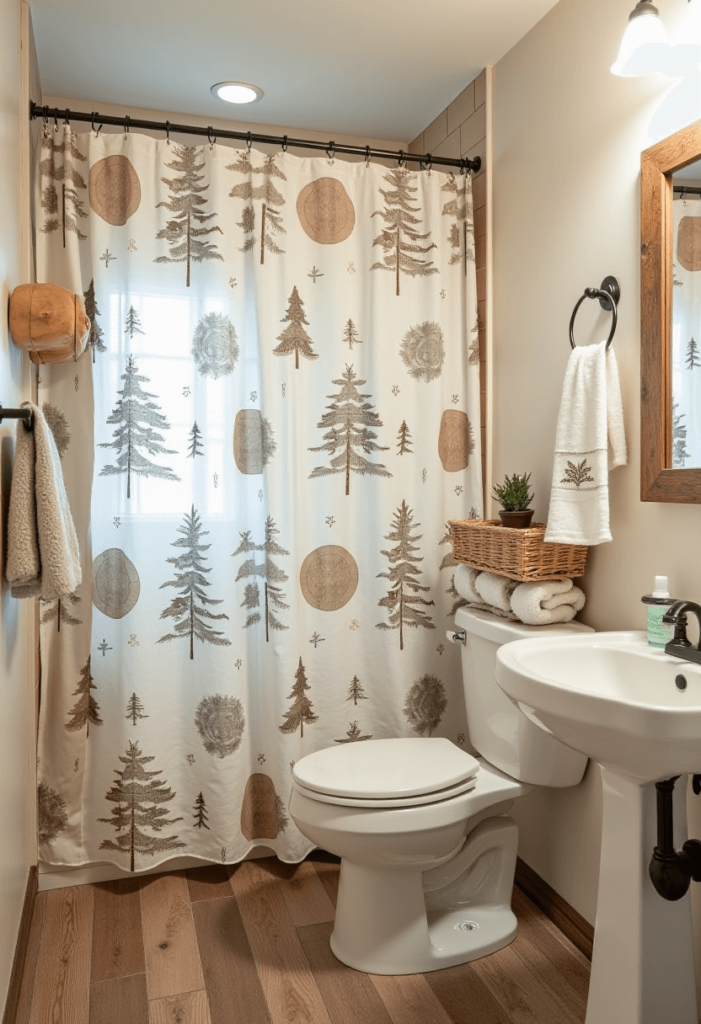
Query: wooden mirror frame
[657, 165]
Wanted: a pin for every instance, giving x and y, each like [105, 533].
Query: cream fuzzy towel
[589, 442]
[495, 590]
[43, 558]
[464, 581]
[540, 604]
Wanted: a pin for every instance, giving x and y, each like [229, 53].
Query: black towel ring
[608, 295]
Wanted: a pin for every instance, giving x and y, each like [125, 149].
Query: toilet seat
[370, 803]
[386, 773]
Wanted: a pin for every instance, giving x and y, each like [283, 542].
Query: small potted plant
[515, 500]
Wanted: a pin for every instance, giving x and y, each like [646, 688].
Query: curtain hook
[401, 162]
[331, 151]
[429, 163]
[45, 115]
[99, 128]
[212, 138]
[367, 157]
[55, 123]
[249, 141]
[168, 132]
[284, 143]
[127, 126]
[463, 166]
[65, 117]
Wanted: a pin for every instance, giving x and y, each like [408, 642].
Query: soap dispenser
[658, 632]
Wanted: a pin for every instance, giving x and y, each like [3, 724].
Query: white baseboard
[52, 877]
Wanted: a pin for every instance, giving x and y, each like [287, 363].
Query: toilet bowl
[427, 850]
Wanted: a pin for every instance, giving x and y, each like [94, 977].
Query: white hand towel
[43, 558]
[540, 604]
[495, 590]
[589, 442]
[464, 581]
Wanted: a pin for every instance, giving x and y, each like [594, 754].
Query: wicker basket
[521, 555]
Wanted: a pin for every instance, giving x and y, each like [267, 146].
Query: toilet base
[390, 921]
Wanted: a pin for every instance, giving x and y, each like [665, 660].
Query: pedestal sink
[636, 711]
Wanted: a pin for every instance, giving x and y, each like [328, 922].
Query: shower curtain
[276, 416]
[686, 334]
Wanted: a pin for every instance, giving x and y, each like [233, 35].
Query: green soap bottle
[659, 633]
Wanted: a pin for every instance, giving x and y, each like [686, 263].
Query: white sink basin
[612, 697]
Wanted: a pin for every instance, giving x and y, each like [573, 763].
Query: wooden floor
[248, 944]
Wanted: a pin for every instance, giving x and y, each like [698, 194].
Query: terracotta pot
[520, 520]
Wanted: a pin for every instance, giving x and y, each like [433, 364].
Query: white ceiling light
[237, 92]
[644, 46]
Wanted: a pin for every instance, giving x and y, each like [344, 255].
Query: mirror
[670, 272]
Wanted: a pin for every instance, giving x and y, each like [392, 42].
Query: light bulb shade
[644, 47]
[237, 92]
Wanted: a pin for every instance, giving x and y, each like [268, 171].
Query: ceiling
[372, 68]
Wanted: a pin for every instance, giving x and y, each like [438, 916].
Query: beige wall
[461, 130]
[16, 718]
[566, 141]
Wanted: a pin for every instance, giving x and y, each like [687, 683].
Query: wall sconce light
[644, 43]
[645, 49]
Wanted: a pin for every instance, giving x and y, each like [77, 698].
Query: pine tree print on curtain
[186, 201]
[133, 324]
[58, 612]
[294, 338]
[399, 237]
[270, 217]
[404, 595]
[138, 421]
[189, 606]
[348, 423]
[266, 570]
[135, 709]
[300, 711]
[66, 212]
[461, 230]
[96, 339]
[86, 708]
[132, 791]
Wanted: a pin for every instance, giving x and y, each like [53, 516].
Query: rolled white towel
[465, 582]
[496, 590]
[540, 604]
[481, 606]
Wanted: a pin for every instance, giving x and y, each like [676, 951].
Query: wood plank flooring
[248, 944]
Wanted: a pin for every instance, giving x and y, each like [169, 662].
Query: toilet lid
[385, 769]
[378, 803]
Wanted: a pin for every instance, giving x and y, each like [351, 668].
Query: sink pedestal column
[642, 969]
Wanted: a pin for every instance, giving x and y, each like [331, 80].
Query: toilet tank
[498, 730]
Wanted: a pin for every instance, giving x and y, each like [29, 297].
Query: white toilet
[427, 850]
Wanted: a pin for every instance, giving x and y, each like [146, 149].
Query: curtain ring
[99, 128]
[284, 144]
[168, 132]
[127, 126]
[249, 141]
[65, 117]
[331, 151]
[45, 115]
[212, 138]
[401, 162]
[429, 163]
[55, 123]
[367, 157]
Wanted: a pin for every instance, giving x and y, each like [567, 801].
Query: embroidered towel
[589, 442]
[540, 604]
[43, 558]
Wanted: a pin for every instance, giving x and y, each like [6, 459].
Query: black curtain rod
[98, 120]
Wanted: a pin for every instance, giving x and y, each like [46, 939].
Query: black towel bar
[608, 295]
[26, 415]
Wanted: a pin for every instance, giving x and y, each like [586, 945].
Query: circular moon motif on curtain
[689, 243]
[254, 441]
[220, 722]
[328, 577]
[455, 440]
[215, 347]
[114, 189]
[325, 211]
[259, 816]
[115, 585]
[423, 351]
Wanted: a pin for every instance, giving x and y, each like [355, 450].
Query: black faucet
[680, 646]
